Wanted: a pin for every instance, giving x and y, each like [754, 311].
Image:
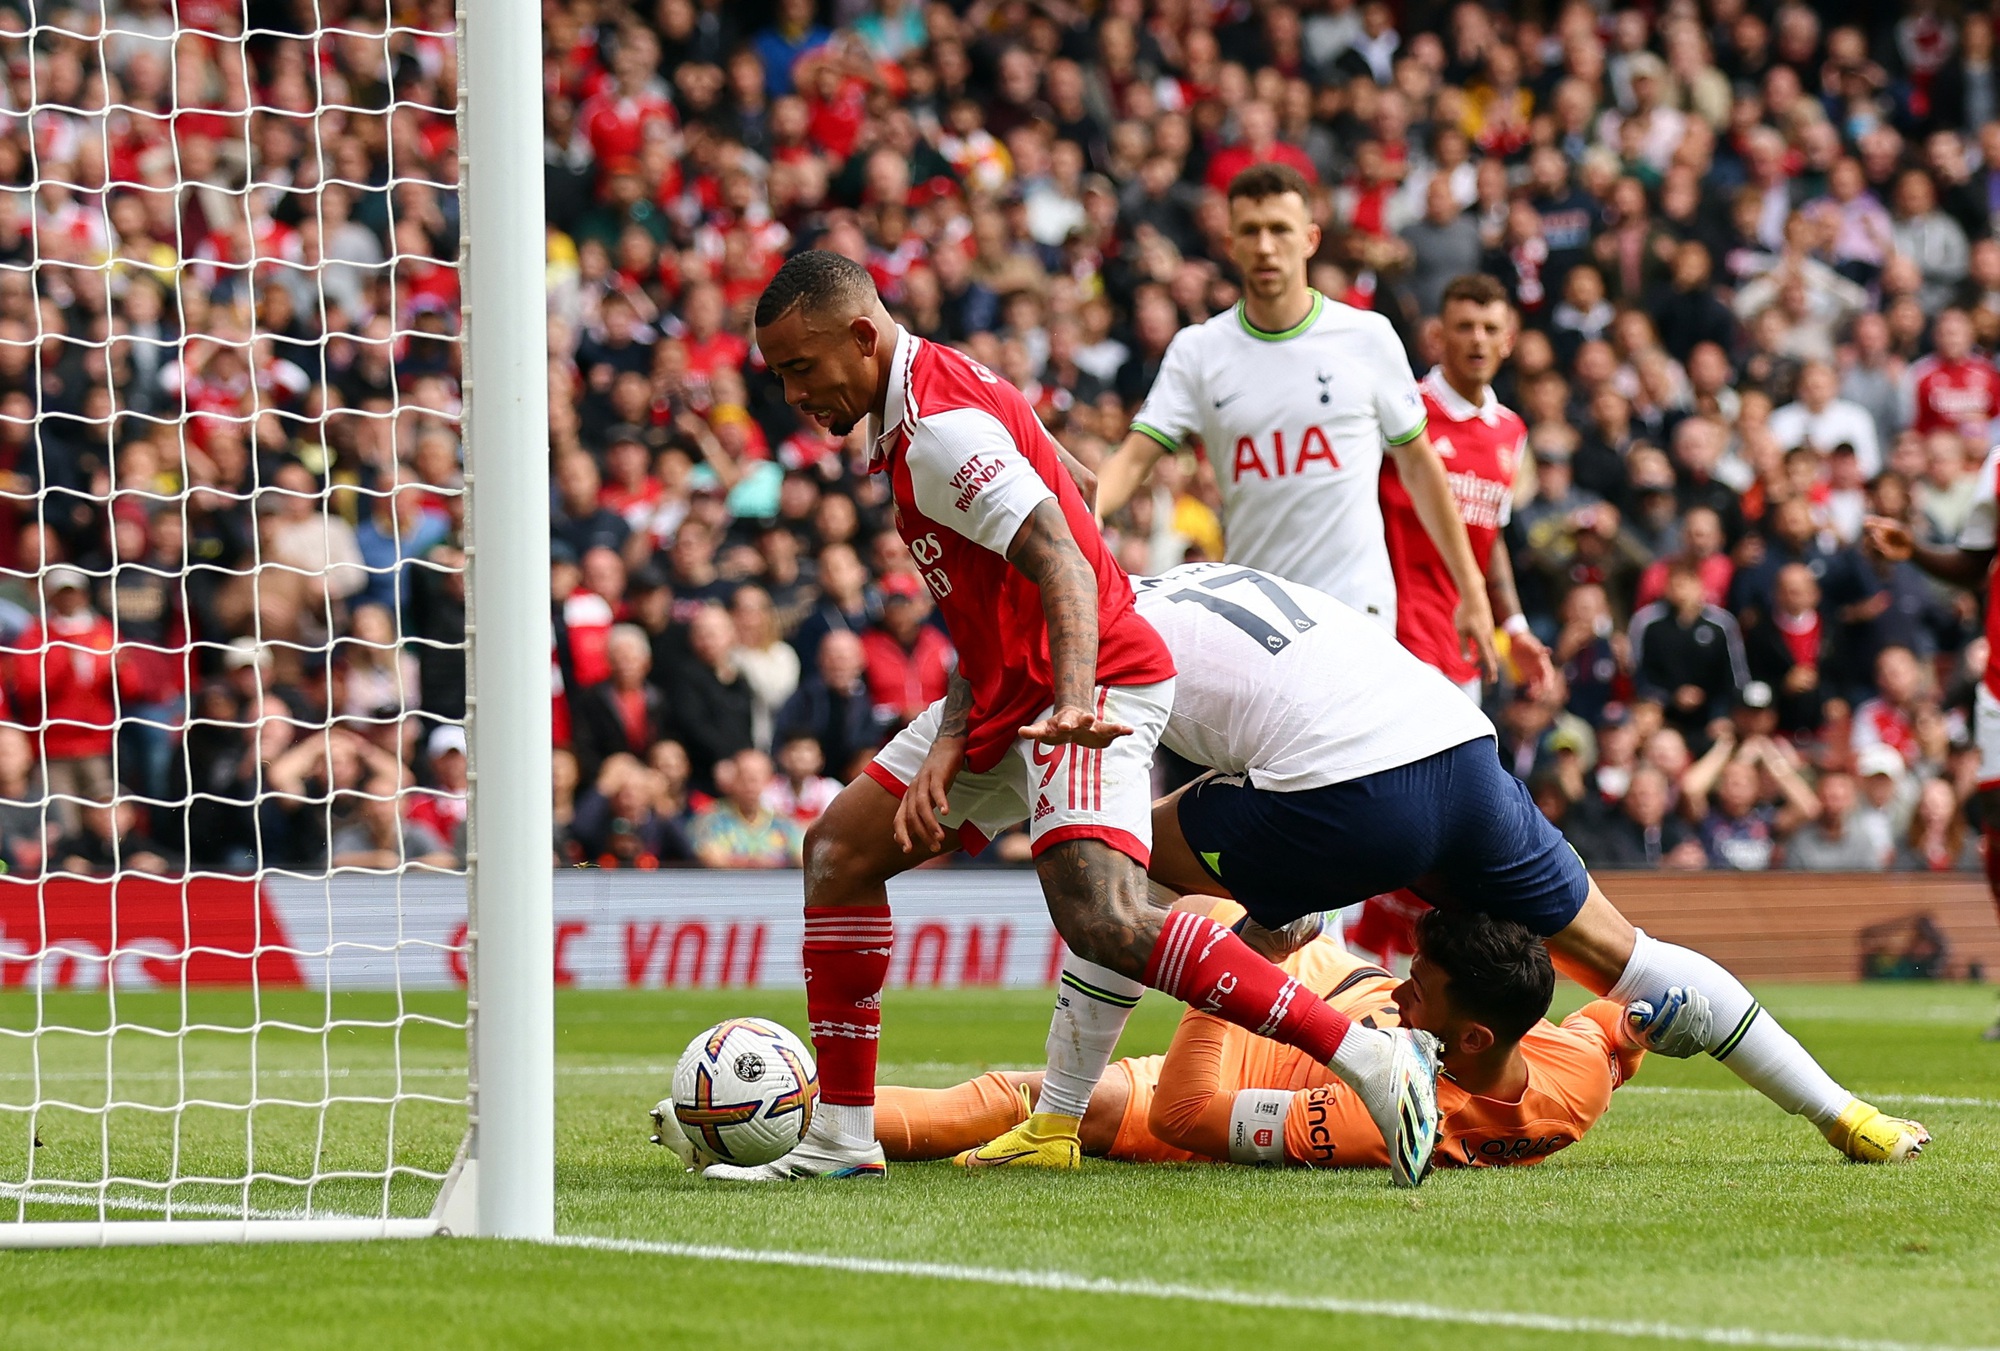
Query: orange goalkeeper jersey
[1294, 1110]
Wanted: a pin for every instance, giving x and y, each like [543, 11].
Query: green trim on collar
[1312, 317]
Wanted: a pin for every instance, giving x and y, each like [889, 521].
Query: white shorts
[1473, 689]
[1986, 735]
[1062, 792]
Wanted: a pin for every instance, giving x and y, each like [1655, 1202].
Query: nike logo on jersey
[1231, 399]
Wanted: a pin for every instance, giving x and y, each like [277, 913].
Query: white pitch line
[1925, 1099]
[1065, 1282]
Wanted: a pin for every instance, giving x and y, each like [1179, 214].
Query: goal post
[273, 554]
[512, 1006]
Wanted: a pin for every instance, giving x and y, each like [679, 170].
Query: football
[744, 1092]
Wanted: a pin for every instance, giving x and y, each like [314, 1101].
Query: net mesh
[232, 758]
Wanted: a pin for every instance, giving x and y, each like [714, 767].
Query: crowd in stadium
[1752, 250]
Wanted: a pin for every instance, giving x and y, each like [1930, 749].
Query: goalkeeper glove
[1679, 1028]
[668, 1133]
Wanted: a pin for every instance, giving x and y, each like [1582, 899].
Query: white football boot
[823, 1153]
[1400, 1092]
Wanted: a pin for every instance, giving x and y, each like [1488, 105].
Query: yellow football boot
[1867, 1134]
[1044, 1140]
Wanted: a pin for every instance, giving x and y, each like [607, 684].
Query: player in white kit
[1346, 767]
[1295, 396]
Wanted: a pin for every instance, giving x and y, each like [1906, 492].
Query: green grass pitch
[1694, 1212]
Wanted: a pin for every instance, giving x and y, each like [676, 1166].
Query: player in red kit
[1955, 389]
[1481, 443]
[1061, 694]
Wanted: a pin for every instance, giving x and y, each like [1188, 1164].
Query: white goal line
[1064, 1282]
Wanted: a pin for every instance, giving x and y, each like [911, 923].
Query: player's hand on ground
[920, 815]
[1680, 1027]
[1887, 538]
[1073, 726]
[1474, 620]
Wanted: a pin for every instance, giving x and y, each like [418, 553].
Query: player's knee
[837, 869]
[1114, 930]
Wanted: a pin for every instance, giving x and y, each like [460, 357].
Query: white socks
[854, 1125]
[1092, 1004]
[1746, 1038]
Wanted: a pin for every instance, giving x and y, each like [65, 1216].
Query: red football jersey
[1957, 396]
[1480, 446]
[968, 463]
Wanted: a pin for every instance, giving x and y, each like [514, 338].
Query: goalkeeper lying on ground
[1515, 1087]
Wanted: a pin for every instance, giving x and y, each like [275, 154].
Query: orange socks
[914, 1124]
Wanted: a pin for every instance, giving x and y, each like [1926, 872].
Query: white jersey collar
[901, 405]
[1454, 404]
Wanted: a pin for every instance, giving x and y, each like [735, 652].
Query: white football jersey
[1288, 685]
[1295, 425]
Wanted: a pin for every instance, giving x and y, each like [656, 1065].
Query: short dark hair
[819, 280]
[1499, 971]
[1268, 180]
[1478, 288]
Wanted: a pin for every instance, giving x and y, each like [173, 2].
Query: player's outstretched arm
[1890, 539]
[1532, 662]
[1044, 551]
[1430, 492]
[1122, 474]
[920, 815]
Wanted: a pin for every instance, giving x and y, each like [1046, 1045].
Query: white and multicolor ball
[744, 1092]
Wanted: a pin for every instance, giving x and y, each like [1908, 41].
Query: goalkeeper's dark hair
[818, 281]
[1499, 971]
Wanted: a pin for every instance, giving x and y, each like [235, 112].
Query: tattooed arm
[1044, 551]
[1528, 653]
[920, 815]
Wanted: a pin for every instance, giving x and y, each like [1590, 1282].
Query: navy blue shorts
[1455, 828]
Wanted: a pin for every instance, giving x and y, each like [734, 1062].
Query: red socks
[1203, 965]
[847, 961]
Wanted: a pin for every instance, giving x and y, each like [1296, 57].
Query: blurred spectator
[1938, 840]
[712, 704]
[768, 663]
[909, 659]
[800, 791]
[626, 713]
[1794, 652]
[739, 830]
[1832, 841]
[66, 686]
[1743, 823]
[110, 839]
[1641, 832]
[380, 838]
[1687, 653]
[1889, 719]
[1822, 419]
[834, 707]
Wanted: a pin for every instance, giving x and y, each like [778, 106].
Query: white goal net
[233, 610]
